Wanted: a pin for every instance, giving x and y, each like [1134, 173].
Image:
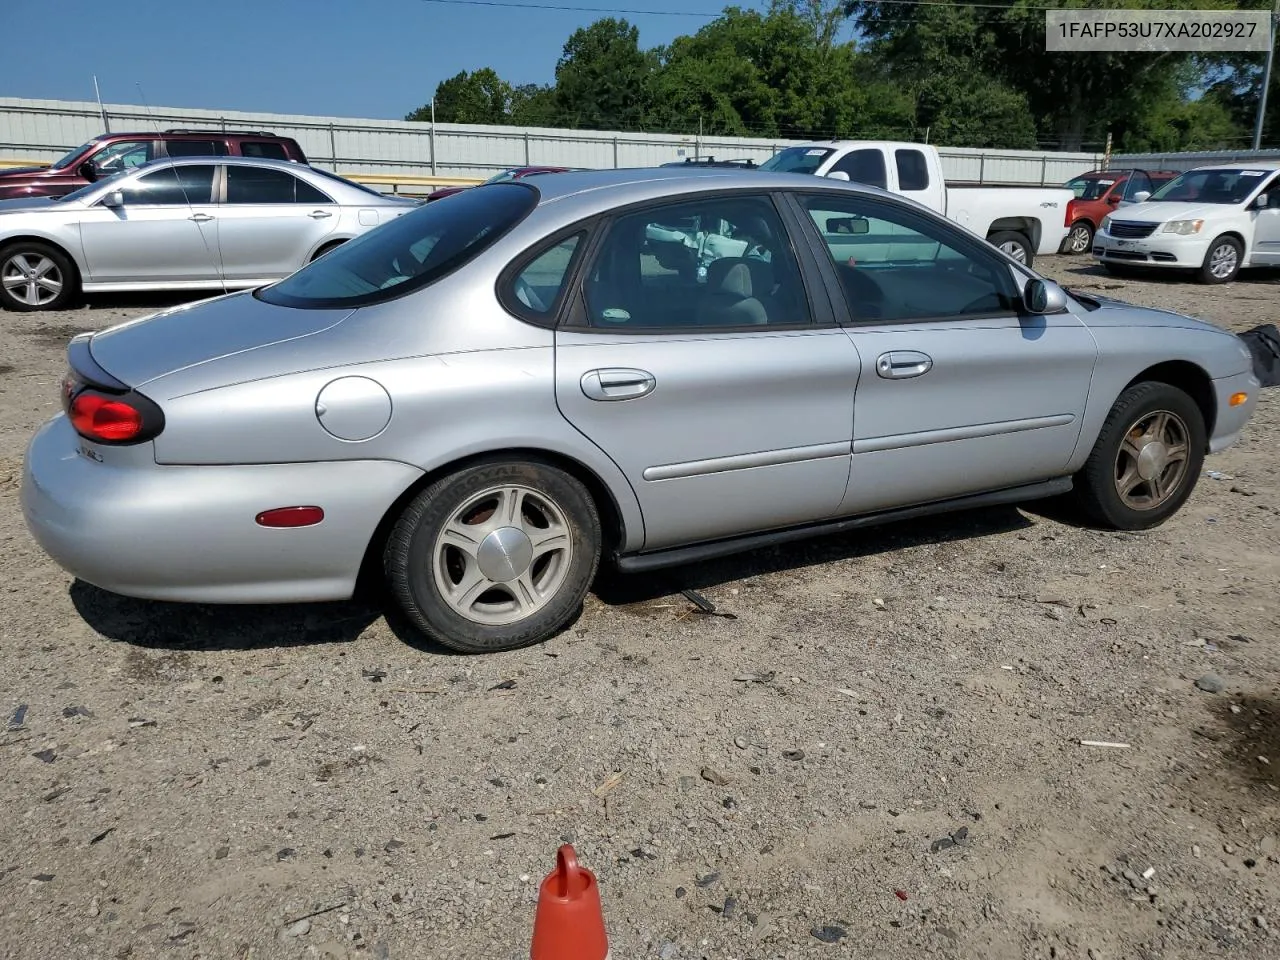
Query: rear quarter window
[268, 150]
[408, 253]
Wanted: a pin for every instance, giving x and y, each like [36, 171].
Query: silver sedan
[483, 398]
[222, 223]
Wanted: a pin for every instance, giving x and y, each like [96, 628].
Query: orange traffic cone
[569, 924]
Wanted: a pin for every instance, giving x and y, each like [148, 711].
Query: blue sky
[380, 58]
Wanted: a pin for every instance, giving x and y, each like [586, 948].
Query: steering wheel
[525, 293]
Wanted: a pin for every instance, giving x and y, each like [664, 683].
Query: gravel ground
[881, 750]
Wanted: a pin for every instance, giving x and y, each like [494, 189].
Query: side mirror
[838, 175]
[1043, 296]
[1142, 196]
[113, 199]
[1113, 199]
[88, 170]
[1262, 201]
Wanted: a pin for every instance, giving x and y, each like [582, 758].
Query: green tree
[603, 78]
[478, 97]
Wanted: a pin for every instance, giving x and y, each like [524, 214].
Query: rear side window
[263, 148]
[864, 166]
[408, 253]
[913, 171]
[259, 185]
[195, 148]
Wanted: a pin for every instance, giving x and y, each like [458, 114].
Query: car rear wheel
[327, 248]
[36, 276]
[1014, 244]
[1222, 261]
[1079, 239]
[1146, 460]
[496, 556]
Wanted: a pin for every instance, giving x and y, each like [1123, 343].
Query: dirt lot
[191, 781]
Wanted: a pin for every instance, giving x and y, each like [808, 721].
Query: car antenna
[215, 260]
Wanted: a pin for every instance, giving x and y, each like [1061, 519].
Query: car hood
[27, 204]
[142, 350]
[1111, 312]
[1164, 212]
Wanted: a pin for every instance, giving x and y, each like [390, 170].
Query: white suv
[1214, 220]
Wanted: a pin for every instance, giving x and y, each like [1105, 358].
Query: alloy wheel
[31, 279]
[1151, 463]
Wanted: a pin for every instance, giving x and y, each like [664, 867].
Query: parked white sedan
[1213, 220]
[195, 223]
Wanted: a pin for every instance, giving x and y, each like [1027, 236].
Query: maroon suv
[113, 152]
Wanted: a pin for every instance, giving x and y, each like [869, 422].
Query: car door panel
[738, 432]
[958, 392]
[719, 431]
[1000, 405]
[264, 229]
[164, 232]
[1266, 228]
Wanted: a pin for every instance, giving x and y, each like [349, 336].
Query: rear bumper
[1231, 420]
[187, 533]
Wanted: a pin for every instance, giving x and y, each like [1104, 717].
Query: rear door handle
[618, 383]
[903, 364]
[200, 218]
[319, 214]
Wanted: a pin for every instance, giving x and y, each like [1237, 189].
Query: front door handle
[319, 214]
[618, 383]
[902, 364]
[200, 218]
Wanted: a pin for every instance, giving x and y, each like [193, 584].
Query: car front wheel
[36, 276]
[1223, 260]
[1080, 239]
[1146, 460]
[496, 556]
[1015, 245]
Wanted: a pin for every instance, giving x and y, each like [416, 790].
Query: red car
[113, 152]
[516, 173]
[1097, 194]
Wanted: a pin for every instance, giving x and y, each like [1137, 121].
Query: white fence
[40, 131]
[1186, 161]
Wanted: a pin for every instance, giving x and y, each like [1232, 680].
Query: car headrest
[731, 276]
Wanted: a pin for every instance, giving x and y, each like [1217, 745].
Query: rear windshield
[407, 253]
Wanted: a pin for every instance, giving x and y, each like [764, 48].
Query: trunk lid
[139, 351]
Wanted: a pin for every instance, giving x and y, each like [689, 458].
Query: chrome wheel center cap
[505, 554]
[1152, 460]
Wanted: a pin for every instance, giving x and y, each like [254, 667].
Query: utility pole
[433, 133]
[1266, 80]
[106, 124]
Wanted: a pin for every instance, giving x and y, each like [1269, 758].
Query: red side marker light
[290, 517]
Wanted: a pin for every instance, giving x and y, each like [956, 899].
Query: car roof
[1239, 165]
[611, 186]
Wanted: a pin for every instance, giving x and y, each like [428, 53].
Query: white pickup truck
[1021, 221]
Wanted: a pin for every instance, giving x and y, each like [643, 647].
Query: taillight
[108, 417]
[102, 418]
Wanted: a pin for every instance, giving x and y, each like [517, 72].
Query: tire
[423, 561]
[1079, 239]
[28, 269]
[327, 248]
[1222, 261]
[1117, 459]
[1015, 244]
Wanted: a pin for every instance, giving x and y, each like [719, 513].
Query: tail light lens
[110, 417]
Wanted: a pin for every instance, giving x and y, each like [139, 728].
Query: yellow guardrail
[393, 180]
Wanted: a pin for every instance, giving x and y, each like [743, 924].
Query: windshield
[1090, 188]
[797, 160]
[90, 188]
[1211, 186]
[407, 253]
[71, 157]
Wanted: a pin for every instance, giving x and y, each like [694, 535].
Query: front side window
[407, 253]
[261, 185]
[719, 262]
[195, 148]
[187, 184]
[913, 169]
[897, 265]
[797, 160]
[864, 166]
[1211, 186]
[122, 155]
